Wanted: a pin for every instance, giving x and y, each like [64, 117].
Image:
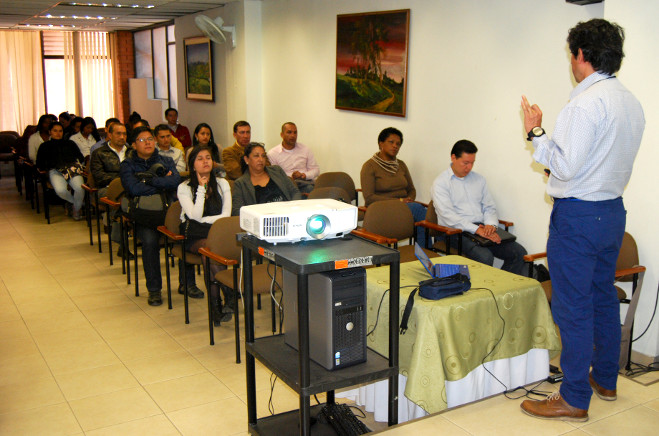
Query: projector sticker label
[266, 253]
[355, 261]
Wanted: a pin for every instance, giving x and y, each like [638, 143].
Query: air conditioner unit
[298, 220]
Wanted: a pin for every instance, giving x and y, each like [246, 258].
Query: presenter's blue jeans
[583, 246]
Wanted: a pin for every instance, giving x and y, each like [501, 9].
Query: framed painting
[371, 62]
[198, 69]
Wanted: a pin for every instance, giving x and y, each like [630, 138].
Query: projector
[298, 220]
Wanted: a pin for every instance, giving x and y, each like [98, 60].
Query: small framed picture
[198, 69]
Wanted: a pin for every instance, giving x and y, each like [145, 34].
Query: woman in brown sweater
[384, 177]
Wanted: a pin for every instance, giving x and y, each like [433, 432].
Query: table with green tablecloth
[447, 339]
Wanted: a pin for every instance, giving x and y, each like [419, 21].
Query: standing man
[233, 156]
[590, 156]
[164, 140]
[462, 200]
[179, 131]
[295, 159]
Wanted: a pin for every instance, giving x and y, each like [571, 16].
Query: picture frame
[199, 69]
[371, 62]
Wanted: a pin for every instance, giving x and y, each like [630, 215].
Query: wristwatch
[535, 132]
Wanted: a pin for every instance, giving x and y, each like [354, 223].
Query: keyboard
[341, 418]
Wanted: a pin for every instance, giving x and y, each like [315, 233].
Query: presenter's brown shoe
[554, 407]
[604, 394]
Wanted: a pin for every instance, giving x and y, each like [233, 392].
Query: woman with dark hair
[260, 183]
[384, 177]
[204, 199]
[203, 135]
[73, 128]
[40, 136]
[62, 159]
[87, 137]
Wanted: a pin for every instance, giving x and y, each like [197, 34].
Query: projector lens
[316, 226]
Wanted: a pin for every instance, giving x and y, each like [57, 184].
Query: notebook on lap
[440, 270]
[484, 242]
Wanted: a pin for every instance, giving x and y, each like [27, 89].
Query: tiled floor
[80, 354]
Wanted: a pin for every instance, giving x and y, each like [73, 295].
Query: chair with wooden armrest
[389, 222]
[112, 202]
[8, 142]
[627, 270]
[92, 200]
[224, 249]
[175, 246]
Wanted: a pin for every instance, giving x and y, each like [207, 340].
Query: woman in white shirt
[87, 137]
[204, 199]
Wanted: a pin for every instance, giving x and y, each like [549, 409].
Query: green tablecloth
[446, 339]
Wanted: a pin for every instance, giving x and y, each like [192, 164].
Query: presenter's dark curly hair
[601, 43]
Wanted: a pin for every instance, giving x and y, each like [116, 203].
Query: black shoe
[120, 253]
[155, 298]
[193, 291]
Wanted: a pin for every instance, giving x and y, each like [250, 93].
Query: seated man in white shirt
[295, 159]
[164, 141]
[461, 200]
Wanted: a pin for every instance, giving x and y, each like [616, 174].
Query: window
[155, 58]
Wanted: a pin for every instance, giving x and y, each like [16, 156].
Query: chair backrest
[7, 141]
[173, 217]
[330, 192]
[431, 217]
[390, 218]
[12, 133]
[222, 237]
[628, 256]
[337, 179]
[115, 190]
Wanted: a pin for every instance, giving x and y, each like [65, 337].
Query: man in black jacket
[139, 160]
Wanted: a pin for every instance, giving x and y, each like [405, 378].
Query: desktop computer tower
[337, 316]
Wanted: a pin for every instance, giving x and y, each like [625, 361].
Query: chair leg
[185, 286]
[207, 282]
[169, 282]
[110, 238]
[88, 216]
[274, 321]
[236, 313]
[126, 261]
[137, 283]
[258, 301]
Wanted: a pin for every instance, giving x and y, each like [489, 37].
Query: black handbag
[435, 289]
[194, 230]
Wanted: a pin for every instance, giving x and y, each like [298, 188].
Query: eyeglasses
[143, 140]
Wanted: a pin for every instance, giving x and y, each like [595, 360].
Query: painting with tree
[371, 62]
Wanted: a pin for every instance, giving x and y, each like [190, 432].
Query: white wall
[469, 63]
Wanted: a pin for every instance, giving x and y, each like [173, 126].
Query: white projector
[298, 220]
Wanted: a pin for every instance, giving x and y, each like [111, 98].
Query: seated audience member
[144, 123]
[295, 159]
[204, 199]
[384, 177]
[179, 131]
[87, 137]
[203, 135]
[164, 140]
[74, 127]
[39, 137]
[232, 157]
[260, 183]
[462, 200]
[62, 159]
[65, 119]
[104, 165]
[142, 157]
[103, 141]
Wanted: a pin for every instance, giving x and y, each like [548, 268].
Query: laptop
[484, 242]
[440, 270]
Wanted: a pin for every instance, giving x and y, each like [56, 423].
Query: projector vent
[276, 226]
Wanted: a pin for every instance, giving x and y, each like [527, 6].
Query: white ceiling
[17, 14]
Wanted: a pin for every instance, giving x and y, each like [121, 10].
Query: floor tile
[57, 419]
[113, 408]
[95, 381]
[189, 391]
[164, 367]
[224, 417]
[152, 425]
[30, 394]
[638, 420]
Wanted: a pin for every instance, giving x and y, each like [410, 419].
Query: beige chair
[112, 202]
[627, 270]
[389, 222]
[174, 246]
[332, 192]
[224, 249]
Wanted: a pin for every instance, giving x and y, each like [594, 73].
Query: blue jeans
[60, 186]
[419, 214]
[150, 256]
[582, 250]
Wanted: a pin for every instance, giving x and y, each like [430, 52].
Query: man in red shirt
[179, 131]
